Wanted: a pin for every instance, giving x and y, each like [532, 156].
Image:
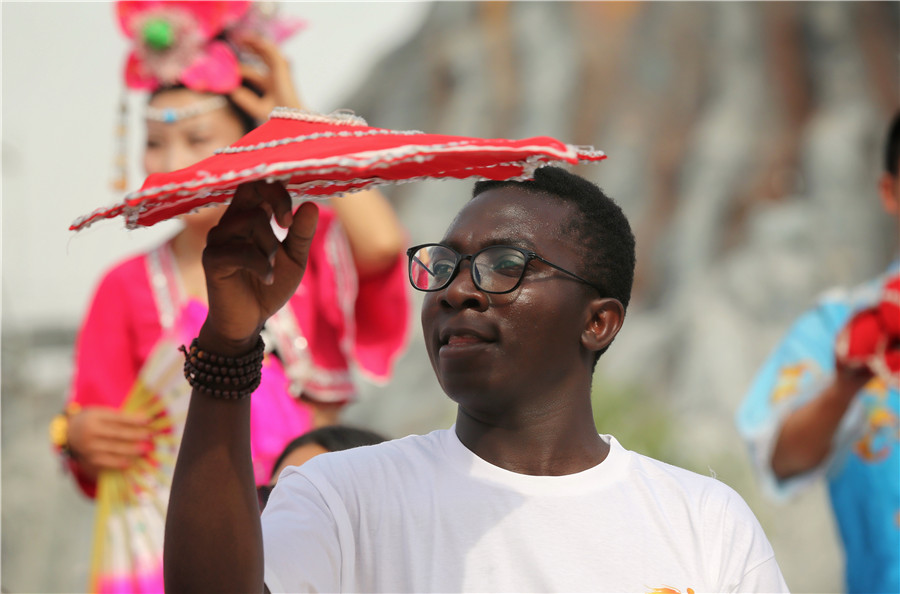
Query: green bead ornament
[158, 34]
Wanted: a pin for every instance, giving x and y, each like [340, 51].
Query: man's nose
[462, 291]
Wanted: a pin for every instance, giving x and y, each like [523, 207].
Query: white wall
[61, 82]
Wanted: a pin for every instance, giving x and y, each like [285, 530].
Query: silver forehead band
[170, 115]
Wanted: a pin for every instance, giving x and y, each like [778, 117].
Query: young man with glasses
[527, 288]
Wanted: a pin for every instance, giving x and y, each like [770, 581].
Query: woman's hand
[249, 273]
[103, 438]
[275, 83]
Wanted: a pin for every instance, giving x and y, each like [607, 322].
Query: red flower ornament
[872, 337]
[889, 308]
[175, 42]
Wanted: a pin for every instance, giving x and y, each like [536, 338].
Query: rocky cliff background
[744, 143]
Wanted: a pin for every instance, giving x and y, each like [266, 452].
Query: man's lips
[462, 345]
[462, 337]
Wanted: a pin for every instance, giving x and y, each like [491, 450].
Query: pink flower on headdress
[264, 20]
[174, 43]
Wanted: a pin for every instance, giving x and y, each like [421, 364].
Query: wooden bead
[210, 373]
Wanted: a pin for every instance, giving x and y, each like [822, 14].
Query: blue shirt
[863, 470]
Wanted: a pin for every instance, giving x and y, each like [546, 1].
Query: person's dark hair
[248, 123]
[608, 256]
[892, 146]
[333, 438]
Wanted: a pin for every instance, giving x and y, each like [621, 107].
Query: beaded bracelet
[229, 378]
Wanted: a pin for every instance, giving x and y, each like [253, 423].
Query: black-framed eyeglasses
[495, 269]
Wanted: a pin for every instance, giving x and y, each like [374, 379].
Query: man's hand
[213, 536]
[249, 273]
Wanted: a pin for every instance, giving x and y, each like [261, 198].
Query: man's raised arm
[213, 538]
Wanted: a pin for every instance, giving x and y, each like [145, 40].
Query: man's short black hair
[608, 257]
[892, 146]
[603, 230]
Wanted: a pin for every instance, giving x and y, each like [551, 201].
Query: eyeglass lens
[495, 269]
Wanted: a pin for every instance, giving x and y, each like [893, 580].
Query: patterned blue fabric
[863, 471]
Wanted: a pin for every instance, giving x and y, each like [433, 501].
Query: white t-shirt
[424, 514]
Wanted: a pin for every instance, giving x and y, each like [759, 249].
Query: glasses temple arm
[572, 274]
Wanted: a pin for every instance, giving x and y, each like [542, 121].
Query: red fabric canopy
[316, 155]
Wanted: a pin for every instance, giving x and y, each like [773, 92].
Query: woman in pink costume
[350, 312]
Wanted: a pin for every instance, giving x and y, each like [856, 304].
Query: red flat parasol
[316, 155]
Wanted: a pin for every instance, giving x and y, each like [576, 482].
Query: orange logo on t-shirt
[881, 433]
[788, 381]
[669, 590]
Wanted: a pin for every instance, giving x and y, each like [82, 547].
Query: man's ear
[605, 321]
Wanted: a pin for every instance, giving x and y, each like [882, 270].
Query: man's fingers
[278, 200]
[242, 241]
[300, 234]
[249, 273]
[251, 226]
[275, 200]
[282, 210]
[246, 197]
[235, 257]
[249, 213]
